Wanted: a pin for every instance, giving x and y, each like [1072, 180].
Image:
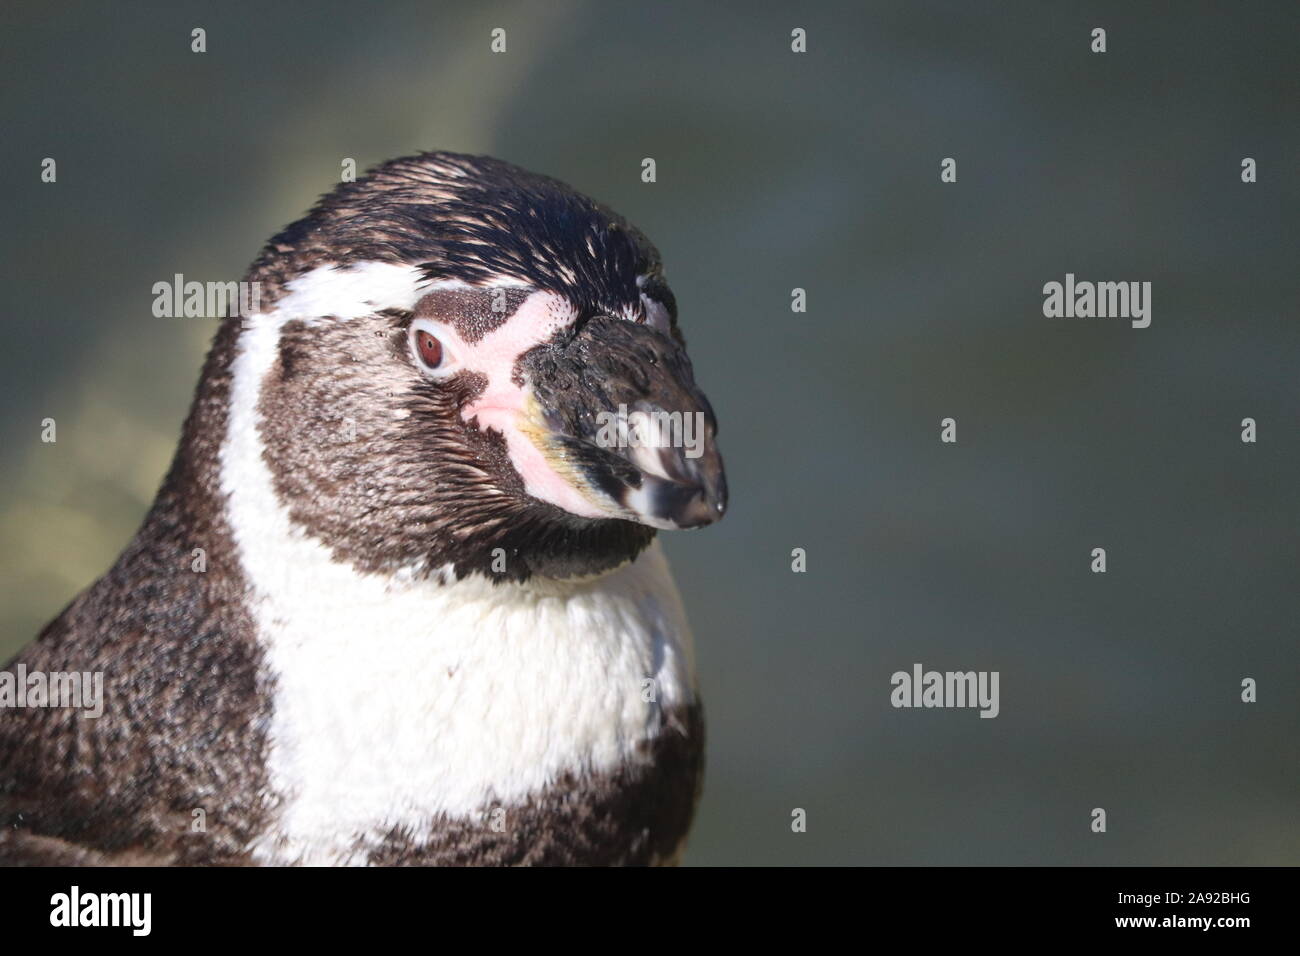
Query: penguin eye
[429, 348]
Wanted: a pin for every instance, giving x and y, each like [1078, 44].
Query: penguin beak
[616, 411]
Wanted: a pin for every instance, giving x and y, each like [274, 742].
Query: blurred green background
[776, 171]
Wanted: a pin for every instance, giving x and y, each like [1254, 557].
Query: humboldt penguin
[399, 599]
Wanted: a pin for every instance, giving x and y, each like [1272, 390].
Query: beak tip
[702, 506]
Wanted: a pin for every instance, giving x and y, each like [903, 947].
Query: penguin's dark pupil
[430, 349]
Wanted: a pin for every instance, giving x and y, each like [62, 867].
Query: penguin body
[433, 625]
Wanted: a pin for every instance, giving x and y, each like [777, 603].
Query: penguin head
[478, 369]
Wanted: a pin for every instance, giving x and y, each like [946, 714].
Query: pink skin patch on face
[503, 406]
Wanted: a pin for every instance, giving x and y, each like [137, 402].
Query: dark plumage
[474, 218]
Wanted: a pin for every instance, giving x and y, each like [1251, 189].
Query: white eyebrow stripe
[501, 282]
[349, 292]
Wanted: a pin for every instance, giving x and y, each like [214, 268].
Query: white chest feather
[398, 701]
[394, 704]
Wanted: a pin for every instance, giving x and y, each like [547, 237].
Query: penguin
[399, 599]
